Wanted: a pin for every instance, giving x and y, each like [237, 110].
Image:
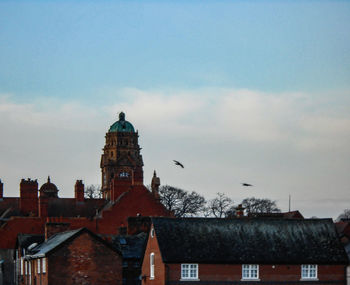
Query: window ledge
[309, 279]
[250, 279]
[189, 279]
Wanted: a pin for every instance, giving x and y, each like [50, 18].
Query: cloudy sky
[238, 91]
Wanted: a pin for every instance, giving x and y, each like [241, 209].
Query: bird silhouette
[246, 184]
[178, 163]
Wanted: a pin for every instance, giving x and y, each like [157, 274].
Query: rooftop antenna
[289, 203]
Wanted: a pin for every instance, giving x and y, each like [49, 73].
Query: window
[152, 232]
[43, 261]
[21, 265]
[309, 271]
[151, 262]
[39, 265]
[189, 271]
[250, 271]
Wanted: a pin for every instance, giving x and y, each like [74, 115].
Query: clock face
[123, 174]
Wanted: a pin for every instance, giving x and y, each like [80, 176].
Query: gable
[63, 239]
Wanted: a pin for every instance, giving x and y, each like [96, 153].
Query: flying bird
[178, 163]
[246, 184]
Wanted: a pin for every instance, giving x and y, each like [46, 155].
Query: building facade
[71, 257]
[124, 195]
[242, 251]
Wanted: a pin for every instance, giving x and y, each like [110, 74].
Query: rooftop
[122, 125]
[249, 240]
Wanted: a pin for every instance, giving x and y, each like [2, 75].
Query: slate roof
[25, 240]
[58, 239]
[52, 242]
[57, 207]
[132, 247]
[9, 207]
[249, 240]
[68, 207]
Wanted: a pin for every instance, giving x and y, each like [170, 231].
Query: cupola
[48, 189]
[122, 125]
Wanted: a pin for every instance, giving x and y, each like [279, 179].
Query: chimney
[43, 206]
[28, 202]
[53, 227]
[155, 185]
[240, 211]
[1, 190]
[79, 191]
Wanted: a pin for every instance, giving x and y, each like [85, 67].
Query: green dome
[122, 125]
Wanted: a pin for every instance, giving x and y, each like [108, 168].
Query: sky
[238, 91]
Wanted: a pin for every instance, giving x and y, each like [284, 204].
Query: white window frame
[250, 269]
[39, 265]
[21, 266]
[151, 265]
[44, 265]
[187, 270]
[308, 268]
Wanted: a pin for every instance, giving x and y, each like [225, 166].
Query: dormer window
[152, 232]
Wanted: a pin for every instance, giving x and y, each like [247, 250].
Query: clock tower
[121, 161]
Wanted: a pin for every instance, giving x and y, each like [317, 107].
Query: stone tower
[121, 161]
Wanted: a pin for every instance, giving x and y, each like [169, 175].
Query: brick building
[71, 257]
[243, 250]
[124, 195]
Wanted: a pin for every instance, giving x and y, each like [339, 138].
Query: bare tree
[256, 205]
[344, 215]
[220, 206]
[93, 192]
[182, 203]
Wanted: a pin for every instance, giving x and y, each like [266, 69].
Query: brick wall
[160, 269]
[332, 274]
[85, 261]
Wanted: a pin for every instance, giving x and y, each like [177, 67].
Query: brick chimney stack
[79, 191]
[54, 226]
[1, 190]
[28, 202]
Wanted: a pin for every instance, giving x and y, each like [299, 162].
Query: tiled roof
[9, 207]
[57, 207]
[68, 207]
[249, 240]
[132, 247]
